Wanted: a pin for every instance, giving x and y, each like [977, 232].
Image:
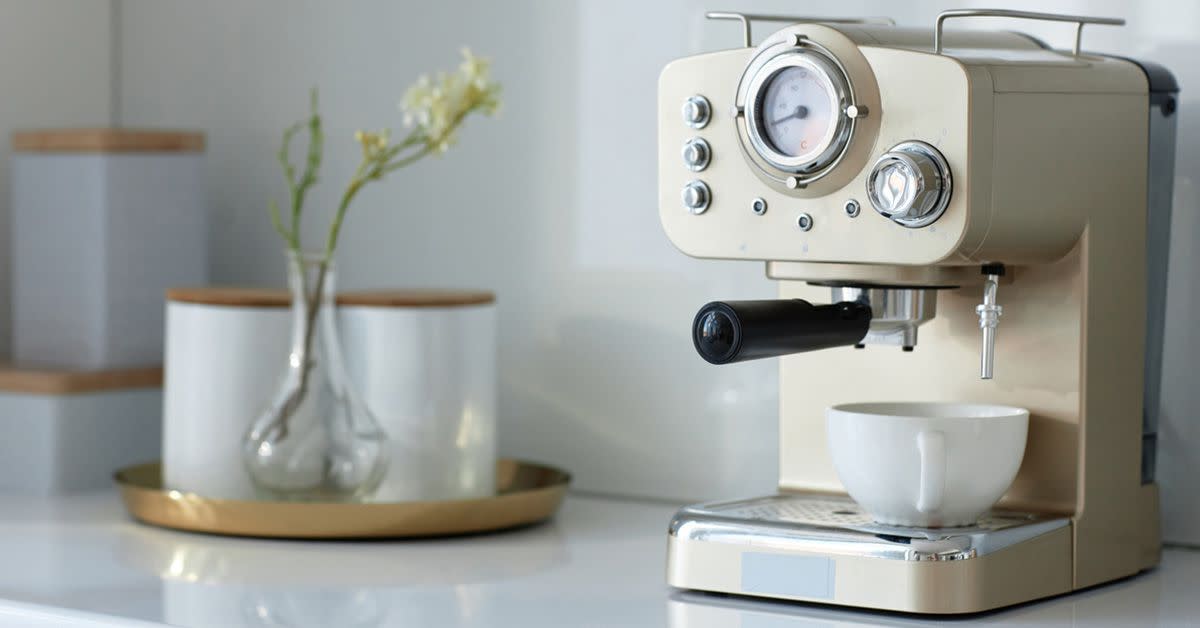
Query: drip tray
[827, 524]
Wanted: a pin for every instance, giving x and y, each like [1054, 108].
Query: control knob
[910, 184]
[696, 197]
[696, 112]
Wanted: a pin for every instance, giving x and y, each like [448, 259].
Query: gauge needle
[800, 113]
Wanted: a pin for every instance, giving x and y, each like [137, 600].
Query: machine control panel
[792, 131]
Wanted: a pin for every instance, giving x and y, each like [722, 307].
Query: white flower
[373, 143]
[438, 106]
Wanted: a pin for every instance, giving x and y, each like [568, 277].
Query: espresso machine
[951, 215]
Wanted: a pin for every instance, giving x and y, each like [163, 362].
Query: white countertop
[81, 561]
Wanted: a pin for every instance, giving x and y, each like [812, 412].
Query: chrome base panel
[833, 525]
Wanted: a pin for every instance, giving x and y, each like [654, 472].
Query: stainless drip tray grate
[832, 524]
[811, 510]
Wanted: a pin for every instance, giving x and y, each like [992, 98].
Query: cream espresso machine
[1008, 201]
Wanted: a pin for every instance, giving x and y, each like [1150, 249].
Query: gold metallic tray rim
[526, 493]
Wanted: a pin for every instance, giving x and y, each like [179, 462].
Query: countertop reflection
[599, 563]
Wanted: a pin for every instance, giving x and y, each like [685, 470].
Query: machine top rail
[1078, 20]
[938, 45]
[747, 18]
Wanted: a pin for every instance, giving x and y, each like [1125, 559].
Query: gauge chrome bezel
[834, 138]
[794, 172]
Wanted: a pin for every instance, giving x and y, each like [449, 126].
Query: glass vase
[316, 440]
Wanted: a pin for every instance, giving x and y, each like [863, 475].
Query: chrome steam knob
[910, 184]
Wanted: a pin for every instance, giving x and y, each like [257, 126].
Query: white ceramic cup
[926, 464]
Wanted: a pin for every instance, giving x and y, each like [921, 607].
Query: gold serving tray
[525, 493]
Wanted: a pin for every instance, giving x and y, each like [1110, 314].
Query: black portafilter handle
[736, 331]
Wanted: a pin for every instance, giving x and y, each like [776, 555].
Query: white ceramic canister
[423, 361]
[103, 221]
[224, 353]
[425, 364]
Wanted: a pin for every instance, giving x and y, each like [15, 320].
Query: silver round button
[696, 196]
[910, 184]
[697, 111]
[696, 154]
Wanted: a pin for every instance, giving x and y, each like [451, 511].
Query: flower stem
[312, 304]
[312, 307]
[368, 170]
[298, 187]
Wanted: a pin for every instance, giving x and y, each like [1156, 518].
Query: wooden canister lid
[107, 141]
[65, 382]
[266, 297]
[416, 298]
[231, 296]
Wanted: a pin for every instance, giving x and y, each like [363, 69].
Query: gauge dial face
[798, 111]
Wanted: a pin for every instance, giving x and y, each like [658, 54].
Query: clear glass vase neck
[312, 281]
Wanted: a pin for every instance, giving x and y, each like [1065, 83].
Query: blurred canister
[103, 221]
[225, 350]
[425, 364]
[423, 361]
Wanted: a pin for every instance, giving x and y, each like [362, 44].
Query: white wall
[54, 71]
[553, 205]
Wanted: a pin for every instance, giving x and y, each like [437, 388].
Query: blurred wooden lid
[107, 141]
[47, 381]
[231, 296]
[416, 298]
[265, 297]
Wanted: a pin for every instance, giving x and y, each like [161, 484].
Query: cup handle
[932, 447]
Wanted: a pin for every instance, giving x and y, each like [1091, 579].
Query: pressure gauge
[796, 111]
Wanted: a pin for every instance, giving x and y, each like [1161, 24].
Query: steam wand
[989, 317]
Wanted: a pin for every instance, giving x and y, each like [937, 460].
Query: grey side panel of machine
[1160, 180]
